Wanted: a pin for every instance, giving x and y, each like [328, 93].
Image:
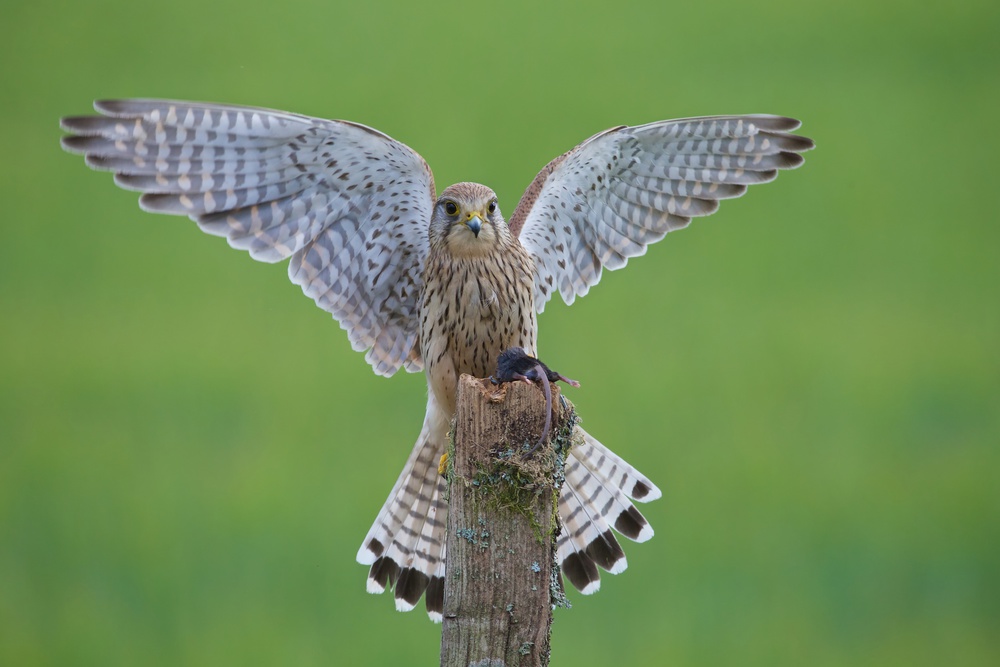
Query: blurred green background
[190, 452]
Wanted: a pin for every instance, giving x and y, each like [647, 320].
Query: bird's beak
[474, 223]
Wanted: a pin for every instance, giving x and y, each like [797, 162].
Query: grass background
[190, 452]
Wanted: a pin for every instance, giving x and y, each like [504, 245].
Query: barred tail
[595, 498]
[405, 545]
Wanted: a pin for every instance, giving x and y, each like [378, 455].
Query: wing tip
[79, 124]
[117, 108]
[152, 202]
[98, 162]
[775, 122]
[74, 144]
[796, 143]
[791, 160]
[131, 183]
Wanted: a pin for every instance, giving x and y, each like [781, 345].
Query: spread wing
[610, 197]
[347, 203]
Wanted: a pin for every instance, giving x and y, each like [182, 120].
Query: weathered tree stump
[501, 579]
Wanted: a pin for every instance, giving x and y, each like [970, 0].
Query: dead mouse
[514, 364]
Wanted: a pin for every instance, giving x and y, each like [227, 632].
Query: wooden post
[500, 579]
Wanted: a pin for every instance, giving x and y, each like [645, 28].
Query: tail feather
[394, 510]
[406, 545]
[406, 541]
[420, 542]
[408, 548]
[598, 482]
[599, 479]
[615, 469]
[585, 534]
[433, 536]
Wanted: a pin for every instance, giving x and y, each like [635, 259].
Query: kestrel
[439, 284]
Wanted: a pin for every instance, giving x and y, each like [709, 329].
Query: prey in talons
[514, 365]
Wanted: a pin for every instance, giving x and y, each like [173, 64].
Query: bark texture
[500, 577]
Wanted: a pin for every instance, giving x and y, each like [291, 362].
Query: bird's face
[467, 219]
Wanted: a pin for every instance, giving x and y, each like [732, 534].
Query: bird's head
[467, 220]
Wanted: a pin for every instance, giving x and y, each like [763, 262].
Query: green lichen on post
[502, 524]
[562, 444]
[449, 463]
[557, 595]
[515, 479]
[475, 536]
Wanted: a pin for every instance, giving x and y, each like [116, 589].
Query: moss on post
[502, 521]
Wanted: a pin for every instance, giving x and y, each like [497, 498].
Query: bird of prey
[438, 283]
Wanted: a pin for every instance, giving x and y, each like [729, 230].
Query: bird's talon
[443, 464]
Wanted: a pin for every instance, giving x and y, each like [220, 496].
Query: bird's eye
[451, 208]
[492, 208]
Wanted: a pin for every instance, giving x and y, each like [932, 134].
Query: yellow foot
[443, 465]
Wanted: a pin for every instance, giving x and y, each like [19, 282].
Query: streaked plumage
[440, 285]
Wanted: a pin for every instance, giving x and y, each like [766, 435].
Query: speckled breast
[472, 309]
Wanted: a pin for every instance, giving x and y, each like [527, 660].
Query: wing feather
[610, 197]
[348, 204]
